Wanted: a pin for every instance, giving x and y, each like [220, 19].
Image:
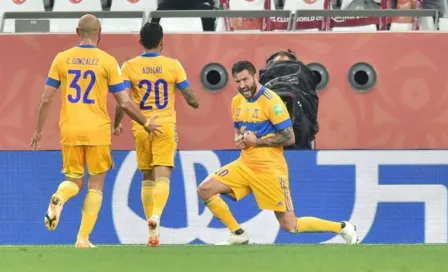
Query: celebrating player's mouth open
[262, 128]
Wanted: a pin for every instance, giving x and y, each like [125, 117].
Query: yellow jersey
[85, 75]
[264, 114]
[153, 80]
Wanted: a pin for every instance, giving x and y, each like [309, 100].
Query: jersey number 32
[89, 74]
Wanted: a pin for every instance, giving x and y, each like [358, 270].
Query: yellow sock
[162, 191]
[90, 210]
[221, 210]
[313, 224]
[147, 194]
[67, 190]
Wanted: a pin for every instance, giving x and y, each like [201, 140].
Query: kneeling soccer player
[262, 127]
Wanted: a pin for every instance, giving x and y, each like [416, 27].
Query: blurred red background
[408, 108]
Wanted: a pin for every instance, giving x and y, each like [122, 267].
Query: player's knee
[288, 226]
[96, 182]
[162, 171]
[77, 181]
[148, 175]
[96, 186]
[205, 191]
[288, 223]
[202, 192]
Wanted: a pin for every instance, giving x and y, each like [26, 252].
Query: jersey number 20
[149, 87]
[75, 85]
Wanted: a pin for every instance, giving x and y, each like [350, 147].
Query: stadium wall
[407, 109]
[392, 196]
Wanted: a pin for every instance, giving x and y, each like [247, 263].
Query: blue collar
[150, 54]
[257, 95]
[87, 46]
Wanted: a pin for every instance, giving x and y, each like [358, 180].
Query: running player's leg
[147, 192]
[144, 162]
[290, 223]
[231, 179]
[99, 161]
[163, 149]
[73, 168]
[278, 199]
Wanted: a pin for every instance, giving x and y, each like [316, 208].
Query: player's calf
[209, 191]
[287, 221]
[291, 224]
[147, 192]
[91, 207]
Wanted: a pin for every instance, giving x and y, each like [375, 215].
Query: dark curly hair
[240, 66]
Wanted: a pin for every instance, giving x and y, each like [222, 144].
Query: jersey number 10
[149, 87]
[75, 85]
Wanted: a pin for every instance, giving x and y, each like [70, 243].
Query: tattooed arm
[284, 137]
[189, 96]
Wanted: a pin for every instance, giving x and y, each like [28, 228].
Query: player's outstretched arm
[44, 109]
[119, 114]
[189, 96]
[127, 105]
[45, 103]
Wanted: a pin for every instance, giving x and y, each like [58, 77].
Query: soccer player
[85, 75]
[152, 80]
[262, 128]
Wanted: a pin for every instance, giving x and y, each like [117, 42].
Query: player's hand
[239, 142]
[249, 138]
[35, 140]
[152, 127]
[118, 130]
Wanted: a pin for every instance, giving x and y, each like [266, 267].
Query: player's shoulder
[133, 60]
[170, 61]
[238, 98]
[106, 56]
[270, 95]
[130, 62]
[64, 53]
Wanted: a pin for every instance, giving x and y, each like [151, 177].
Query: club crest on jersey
[238, 112]
[255, 114]
[278, 109]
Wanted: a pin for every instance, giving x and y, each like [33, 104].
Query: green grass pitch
[197, 258]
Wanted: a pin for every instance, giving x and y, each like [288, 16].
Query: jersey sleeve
[125, 74]
[181, 77]
[278, 114]
[115, 79]
[54, 78]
